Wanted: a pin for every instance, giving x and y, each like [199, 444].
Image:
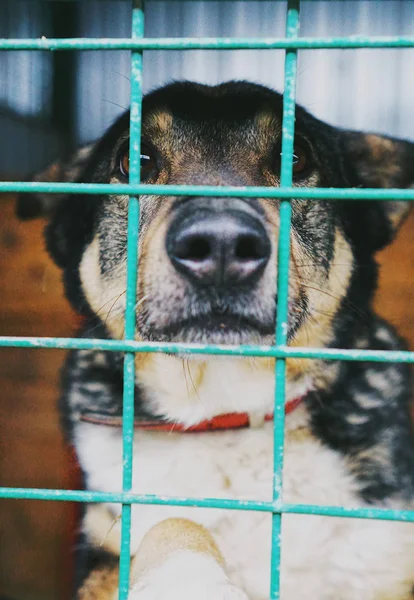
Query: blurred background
[52, 101]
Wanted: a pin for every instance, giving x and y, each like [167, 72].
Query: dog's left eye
[300, 160]
[148, 163]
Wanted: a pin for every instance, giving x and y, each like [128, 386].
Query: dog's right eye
[148, 163]
[124, 164]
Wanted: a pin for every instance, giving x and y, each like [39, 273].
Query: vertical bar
[132, 270]
[288, 127]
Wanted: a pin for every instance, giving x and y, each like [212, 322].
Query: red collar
[220, 422]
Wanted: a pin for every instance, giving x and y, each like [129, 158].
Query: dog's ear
[375, 161]
[35, 205]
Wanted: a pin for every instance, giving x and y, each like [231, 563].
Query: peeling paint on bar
[196, 190]
[281, 351]
[225, 43]
[130, 498]
[131, 287]
[283, 258]
[383, 514]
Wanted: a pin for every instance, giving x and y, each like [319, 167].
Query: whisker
[108, 301]
[192, 380]
[311, 286]
[122, 75]
[184, 361]
[141, 301]
[349, 304]
[114, 103]
[108, 533]
[110, 310]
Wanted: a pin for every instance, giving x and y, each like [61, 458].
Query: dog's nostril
[249, 247]
[195, 248]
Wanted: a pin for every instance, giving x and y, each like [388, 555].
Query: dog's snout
[222, 248]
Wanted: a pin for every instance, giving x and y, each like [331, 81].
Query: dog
[207, 274]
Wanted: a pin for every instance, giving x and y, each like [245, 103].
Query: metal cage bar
[262, 43]
[348, 194]
[131, 292]
[285, 211]
[280, 351]
[398, 356]
[382, 514]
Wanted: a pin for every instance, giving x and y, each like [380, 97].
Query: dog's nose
[219, 248]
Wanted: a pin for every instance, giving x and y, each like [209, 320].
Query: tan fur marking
[396, 595]
[162, 541]
[98, 293]
[196, 372]
[379, 146]
[162, 120]
[383, 159]
[171, 536]
[101, 584]
[99, 523]
[323, 304]
[301, 434]
[266, 119]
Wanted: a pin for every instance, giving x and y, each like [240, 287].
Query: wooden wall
[33, 535]
[34, 561]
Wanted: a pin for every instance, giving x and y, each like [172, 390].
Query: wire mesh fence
[291, 43]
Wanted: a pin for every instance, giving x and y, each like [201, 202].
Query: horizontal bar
[299, 193]
[261, 43]
[383, 514]
[221, 503]
[131, 498]
[400, 356]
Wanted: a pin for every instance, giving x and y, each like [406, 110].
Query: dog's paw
[179, 560]
[230, 593]
[189, 589]
[186, 575]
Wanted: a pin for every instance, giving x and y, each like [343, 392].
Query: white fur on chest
[323, 558]
[189, 391]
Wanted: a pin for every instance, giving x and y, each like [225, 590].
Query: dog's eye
[148, 163]
[300, 160]
[124, 164]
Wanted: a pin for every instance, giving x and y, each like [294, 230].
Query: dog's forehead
[221, 114]
[167, 130]
[230, 101]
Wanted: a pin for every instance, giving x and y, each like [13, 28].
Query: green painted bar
[130, 315]
[398, 356]
[127, 439]
[206, 190]
[285, 212]
[261, 43]
[383, 514]
[130, 498]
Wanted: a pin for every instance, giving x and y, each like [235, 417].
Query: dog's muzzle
[218, 242]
